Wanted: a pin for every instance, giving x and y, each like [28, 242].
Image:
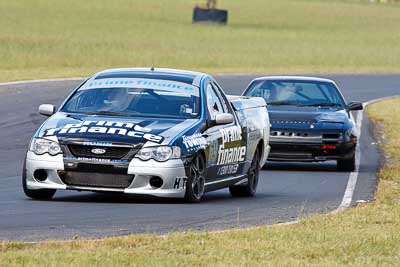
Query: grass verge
[368, 235]
[54, 38]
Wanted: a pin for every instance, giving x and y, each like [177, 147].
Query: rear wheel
[250, 188]
[347, 165]
[39, 194]
[196, 181]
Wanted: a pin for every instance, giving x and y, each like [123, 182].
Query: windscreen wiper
[321, 104]
[283, 102]
[106, 112]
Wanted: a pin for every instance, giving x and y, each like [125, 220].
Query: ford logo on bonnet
[98, 151]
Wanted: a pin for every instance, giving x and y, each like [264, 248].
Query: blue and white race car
[159, 132]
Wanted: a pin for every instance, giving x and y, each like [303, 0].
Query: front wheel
[347, 165]
[249, 190]
[39, 194]
[196, 181]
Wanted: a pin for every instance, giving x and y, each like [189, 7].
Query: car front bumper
[171, 172]
[287, 151]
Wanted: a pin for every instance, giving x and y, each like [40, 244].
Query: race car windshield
[138, 98]
[299, 93]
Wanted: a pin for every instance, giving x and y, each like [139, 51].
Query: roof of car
[298, 78]
[190, 77]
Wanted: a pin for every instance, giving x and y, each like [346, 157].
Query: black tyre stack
[211, 15]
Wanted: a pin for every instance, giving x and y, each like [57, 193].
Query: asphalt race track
[286, 191]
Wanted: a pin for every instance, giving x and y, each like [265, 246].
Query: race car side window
[214, 104]
[223, 98]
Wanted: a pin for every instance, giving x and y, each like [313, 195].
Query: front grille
[294, 122]
[289, 134]
[92, 179]
[99, 168]
[110, 152]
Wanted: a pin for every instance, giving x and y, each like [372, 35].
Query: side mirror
[47, 109]
[223, 118]
[355, 105]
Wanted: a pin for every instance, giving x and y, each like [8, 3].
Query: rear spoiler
[245, 102]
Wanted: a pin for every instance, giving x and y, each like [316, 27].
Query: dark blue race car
[310, 119]
[159, 132]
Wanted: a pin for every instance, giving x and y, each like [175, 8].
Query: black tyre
[39, 194]
[196, 180]
[346, 165]
[253, 174]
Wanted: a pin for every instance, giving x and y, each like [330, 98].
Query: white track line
[353, 177]
[42, 81]
[351, 184]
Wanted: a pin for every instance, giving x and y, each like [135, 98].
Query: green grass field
[54, 38]
[368, 235]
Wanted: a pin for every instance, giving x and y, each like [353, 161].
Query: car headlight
[40, 146]
[160, 153]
